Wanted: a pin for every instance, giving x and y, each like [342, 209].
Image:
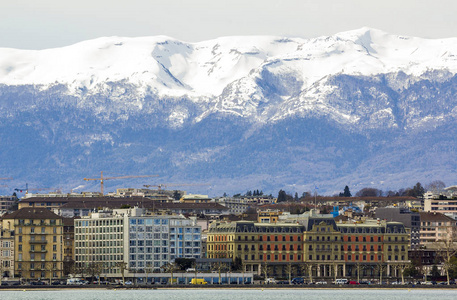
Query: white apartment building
[444, 202]
[239, 205]
[143, 242]
[100, 239]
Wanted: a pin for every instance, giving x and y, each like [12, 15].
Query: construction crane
[27, 190]
[102, 179]
[165, 185]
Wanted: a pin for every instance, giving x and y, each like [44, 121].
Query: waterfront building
[6, 252]
[130, 241]
[374, 243]
[99, 244]
[37, 243]
[68, 245]
[311, 243]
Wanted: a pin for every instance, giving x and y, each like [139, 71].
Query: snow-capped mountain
[248, 112]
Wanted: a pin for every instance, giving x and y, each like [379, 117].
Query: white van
[341, 281]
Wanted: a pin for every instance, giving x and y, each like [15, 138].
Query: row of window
[38, 222]
[36, 230]
[107, 222]
[99, 250]
[99, 244]
[99, 237]
[33, 256]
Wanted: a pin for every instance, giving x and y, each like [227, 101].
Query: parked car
[353, 282]
[321, 282]
[270, 281]
[298, 280]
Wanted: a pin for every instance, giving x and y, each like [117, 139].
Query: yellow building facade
[38, 243]
[316, 246]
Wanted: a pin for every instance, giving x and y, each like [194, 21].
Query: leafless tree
[308, 267]
[50, 267]
[401, 267]
[289, 269]
[94, 269]
[170, 268]
[122, 267]
[436, 186]
[219, 267]
[380, 268]
[448, 248]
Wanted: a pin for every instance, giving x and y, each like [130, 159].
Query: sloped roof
[32, 213]
[435, 217]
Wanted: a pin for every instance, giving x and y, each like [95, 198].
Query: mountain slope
[359, 108]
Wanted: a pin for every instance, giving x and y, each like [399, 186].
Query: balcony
[38, 242]
[38, 251]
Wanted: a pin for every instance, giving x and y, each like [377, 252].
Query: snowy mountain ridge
[174, 68]
[360, 107]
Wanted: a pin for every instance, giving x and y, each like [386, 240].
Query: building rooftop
[32, 213]
[435, 217]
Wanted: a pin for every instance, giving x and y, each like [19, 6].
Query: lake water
[232, 294]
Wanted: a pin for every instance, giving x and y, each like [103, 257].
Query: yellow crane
[102, 179]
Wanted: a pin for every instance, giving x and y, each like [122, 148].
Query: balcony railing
[38, 251]
[38, 242]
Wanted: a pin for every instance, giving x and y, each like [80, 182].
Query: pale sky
[40, 24]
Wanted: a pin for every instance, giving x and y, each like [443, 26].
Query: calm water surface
[232, 294]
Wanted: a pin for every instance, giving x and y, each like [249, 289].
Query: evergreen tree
[282, 196]
[346, 192]
[418, 190]
[176, 195]
[296, 197]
